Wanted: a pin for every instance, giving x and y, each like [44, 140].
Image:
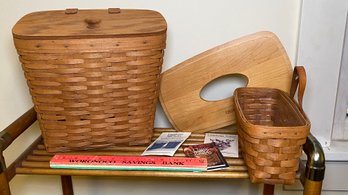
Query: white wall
[193, 26]
[321, 40]
[323, 25]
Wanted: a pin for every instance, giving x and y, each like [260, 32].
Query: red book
[65, 161]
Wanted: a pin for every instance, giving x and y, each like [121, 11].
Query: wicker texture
[272, 130]
[92, 93]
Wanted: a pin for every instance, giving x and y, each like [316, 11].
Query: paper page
[167, 143]
[227, 143]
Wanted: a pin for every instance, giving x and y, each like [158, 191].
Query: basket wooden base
[271, 161]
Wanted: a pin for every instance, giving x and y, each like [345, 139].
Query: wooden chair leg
[268, 189]
[4, 186]
[67, 186]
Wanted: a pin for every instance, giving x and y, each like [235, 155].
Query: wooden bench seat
[35, 161]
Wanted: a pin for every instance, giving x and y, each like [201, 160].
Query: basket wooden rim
[272, 132]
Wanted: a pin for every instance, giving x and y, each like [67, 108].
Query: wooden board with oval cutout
[260, 57]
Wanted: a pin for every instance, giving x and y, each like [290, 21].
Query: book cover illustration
[227, 143]
[149, 163]
[209, 151]
[167, 143]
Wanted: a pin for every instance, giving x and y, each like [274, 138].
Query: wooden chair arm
[313, 175]
[7, 136]
[10, 133]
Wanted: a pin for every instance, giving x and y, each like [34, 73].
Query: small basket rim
[291, 132]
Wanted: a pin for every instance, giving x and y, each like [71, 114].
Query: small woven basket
[93, 74]
[273, 128]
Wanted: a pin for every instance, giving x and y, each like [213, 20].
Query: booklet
[209, 151]
[167, 143]
[227, 143]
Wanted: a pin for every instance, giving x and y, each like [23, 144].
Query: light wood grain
[89, 23]
[260, 57]
[37, 162]
[152, 174]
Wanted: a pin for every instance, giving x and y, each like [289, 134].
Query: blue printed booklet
[167, 143]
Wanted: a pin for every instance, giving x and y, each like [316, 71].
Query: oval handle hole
[223, 87]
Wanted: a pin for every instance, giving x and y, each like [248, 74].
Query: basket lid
[74, 23]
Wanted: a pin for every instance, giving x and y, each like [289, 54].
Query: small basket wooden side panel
[272, 131]
[92, 93]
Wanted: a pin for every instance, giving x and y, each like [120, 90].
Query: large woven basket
[273, 128]
[93, 74]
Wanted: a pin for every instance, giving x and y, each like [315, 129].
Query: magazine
[167, 143]
[227, 143]
[210, 151]
[154, 163]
